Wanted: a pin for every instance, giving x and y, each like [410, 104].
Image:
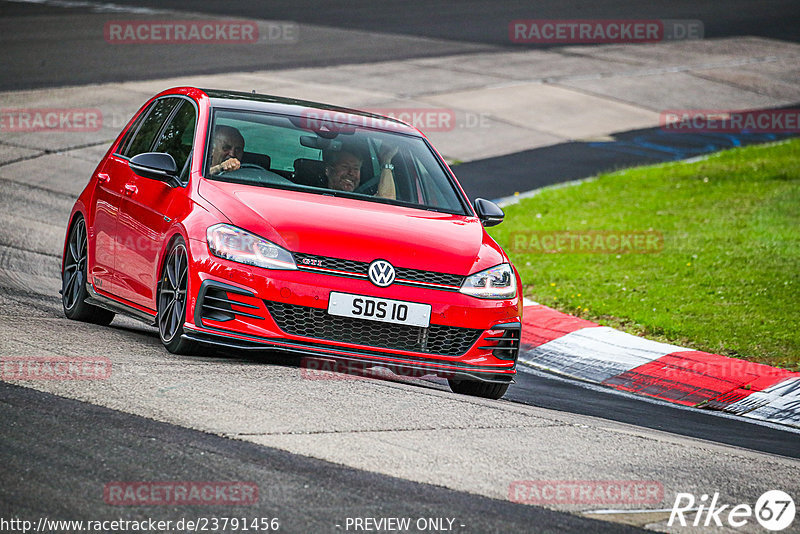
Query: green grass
[728, 277]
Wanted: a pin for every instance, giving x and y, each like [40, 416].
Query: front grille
[338, 264]
[428, 277]
[318, 323]
[412, 277]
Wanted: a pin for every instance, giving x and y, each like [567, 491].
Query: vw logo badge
[381, 273]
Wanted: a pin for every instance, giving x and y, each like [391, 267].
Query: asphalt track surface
[484, 21]
[86, 445]
[59, 45]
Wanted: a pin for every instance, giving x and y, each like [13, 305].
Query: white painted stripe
[596, 353]
[103, 7]
[779, 403]
[643, 511]
[514, 199]
[528, 302]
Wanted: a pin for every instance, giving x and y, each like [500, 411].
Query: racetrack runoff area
[586, 351]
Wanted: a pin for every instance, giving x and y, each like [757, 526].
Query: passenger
[227, 149]
[343, 171]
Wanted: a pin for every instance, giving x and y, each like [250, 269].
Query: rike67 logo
[774, 510]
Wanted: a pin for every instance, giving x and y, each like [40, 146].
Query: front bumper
[243, 307]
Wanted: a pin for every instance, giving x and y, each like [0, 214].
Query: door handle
[130, 189]
[103, 178]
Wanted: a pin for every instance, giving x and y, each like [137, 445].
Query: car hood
[357, 230]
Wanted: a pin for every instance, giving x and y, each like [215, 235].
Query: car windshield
[333, 158]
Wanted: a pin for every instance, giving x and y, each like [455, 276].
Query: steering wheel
[251, 166]
[243, 166]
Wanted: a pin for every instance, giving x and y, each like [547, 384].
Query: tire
[73, 280]
[474, 388]
[171, 302]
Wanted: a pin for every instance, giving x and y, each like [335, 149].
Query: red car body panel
[132, 220]
[439, 238]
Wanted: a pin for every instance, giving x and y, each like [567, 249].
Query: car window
[306, 157]
[144, 138]
[178, 136]
[126, 139]
[428, 190]
[282, 145]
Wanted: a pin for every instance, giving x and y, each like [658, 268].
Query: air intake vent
[507, 344]
[216, 301]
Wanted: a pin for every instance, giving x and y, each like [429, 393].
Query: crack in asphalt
[703, 76]
[29, 251]
[637, 72]
[38, 187]
[653, 71]
[23, 158]
[48, 151]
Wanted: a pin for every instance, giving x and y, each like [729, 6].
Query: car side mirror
[488, 212]
[157, 166]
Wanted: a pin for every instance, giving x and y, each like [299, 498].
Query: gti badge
[310, 261]
[381, 273]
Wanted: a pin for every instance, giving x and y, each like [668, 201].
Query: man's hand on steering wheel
[230, 164]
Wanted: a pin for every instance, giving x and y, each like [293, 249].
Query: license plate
[376, 309]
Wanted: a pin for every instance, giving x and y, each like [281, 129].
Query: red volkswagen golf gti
[262, 223]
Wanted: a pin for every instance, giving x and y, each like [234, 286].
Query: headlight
[497, 282]
[231, 243]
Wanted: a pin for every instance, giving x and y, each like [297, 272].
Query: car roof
[305, 108]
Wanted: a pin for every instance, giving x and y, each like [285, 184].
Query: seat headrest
[309, 172]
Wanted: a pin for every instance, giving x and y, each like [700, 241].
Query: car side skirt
[111, 304]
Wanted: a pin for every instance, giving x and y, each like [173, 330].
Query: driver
[227, 149]
[343, 171]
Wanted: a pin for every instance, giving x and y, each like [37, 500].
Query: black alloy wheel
[73, 280]
[172, 296]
